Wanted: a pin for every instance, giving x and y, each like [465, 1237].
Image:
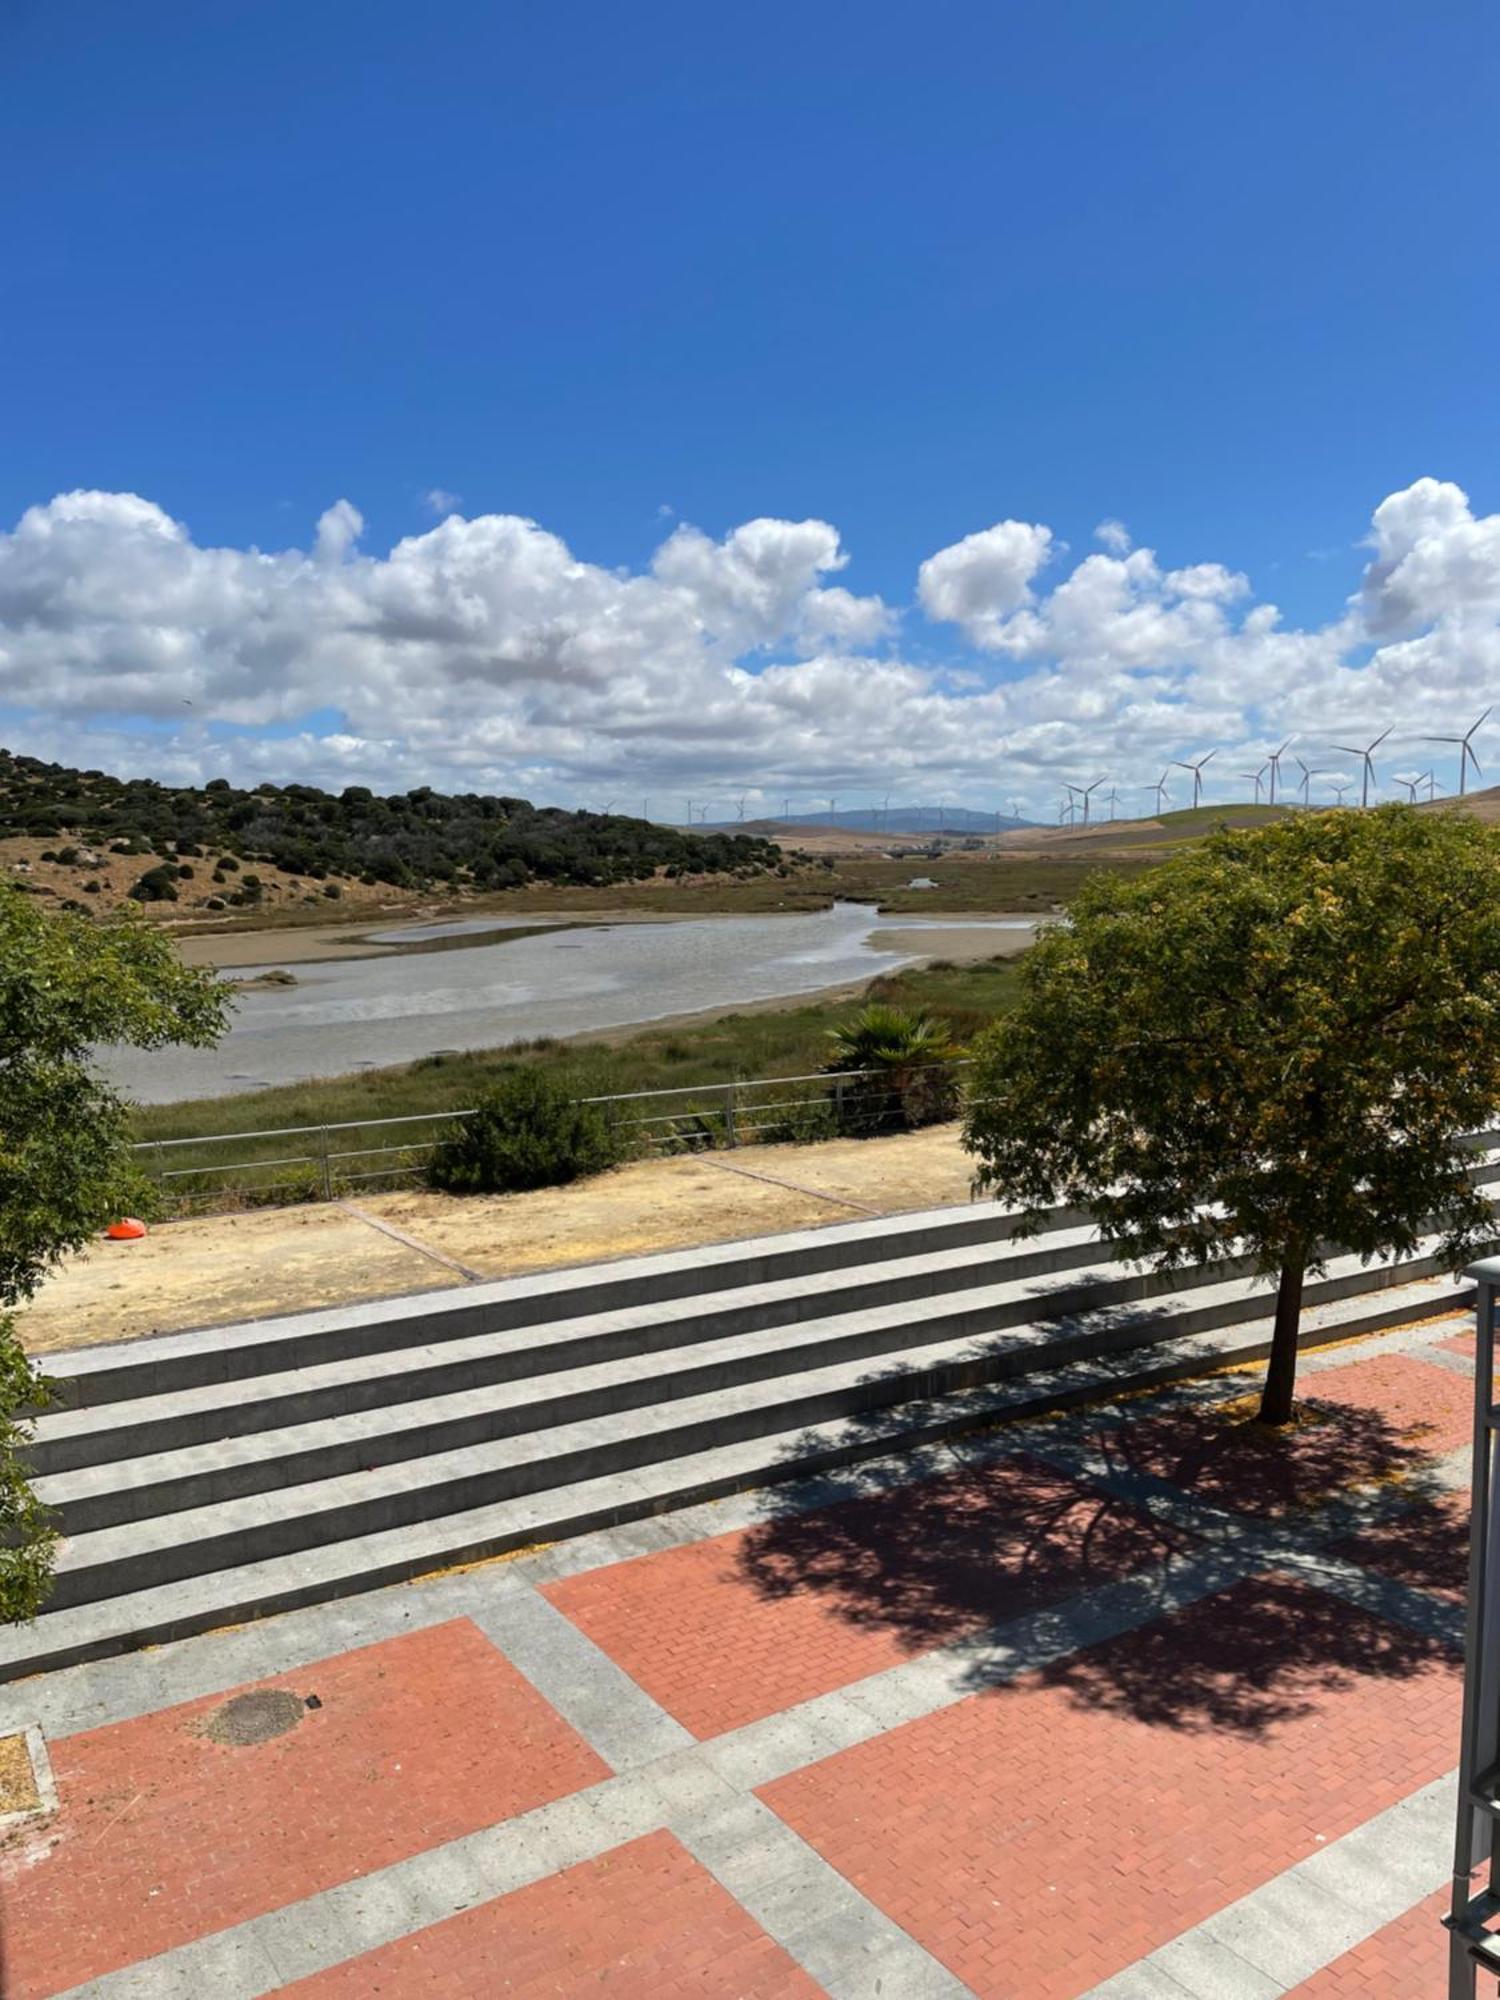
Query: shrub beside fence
[297, 1163]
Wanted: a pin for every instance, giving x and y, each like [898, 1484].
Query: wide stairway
[205, 1478]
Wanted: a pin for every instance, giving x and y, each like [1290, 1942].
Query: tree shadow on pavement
[959, 1537]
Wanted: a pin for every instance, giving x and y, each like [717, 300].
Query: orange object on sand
[126, 1230]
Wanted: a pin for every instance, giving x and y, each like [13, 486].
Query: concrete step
[1083, 1312]
[171, 1363]
[177, 1363]
[67, 1439]
[158, 1612]
[635, 1417]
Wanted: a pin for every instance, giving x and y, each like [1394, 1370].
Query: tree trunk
[1281, 1369]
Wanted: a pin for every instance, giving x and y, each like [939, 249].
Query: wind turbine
[885, 813]
[1066, 809]
[1368, 772]
[1339, 790]
[1274, 761]
[1160, 789]
[1466, 753]
[1084, 792]
[1197, 771]
[1431, 783]
[833, 809]
[1411, 785]
[1015, 811]
[1113, 797]
[1255, 777]
[786, 811]
[1308, 774]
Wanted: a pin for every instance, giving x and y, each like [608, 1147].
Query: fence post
[327, 1173]
[731, 1134]
[838, 1102]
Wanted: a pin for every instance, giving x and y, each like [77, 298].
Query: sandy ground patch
[220, 1269]
[965, 944]
[230, 1267]
[654, 1205]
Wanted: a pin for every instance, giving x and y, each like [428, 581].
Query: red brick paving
[1040, 1837]
[164, 1835]
[725, 1631]
[1429, 1407]
[1426, 1544]
[1383, 1418]
[1407, 1960]
[1466, 1344]
[644, 1922]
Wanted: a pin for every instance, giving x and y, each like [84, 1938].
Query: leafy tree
[67, 984]
[909, 1060]
[1271, 1045]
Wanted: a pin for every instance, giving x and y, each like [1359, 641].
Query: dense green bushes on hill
[411, 840]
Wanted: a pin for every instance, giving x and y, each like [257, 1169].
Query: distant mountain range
[875, 819]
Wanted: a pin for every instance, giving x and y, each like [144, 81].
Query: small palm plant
[908, 1060]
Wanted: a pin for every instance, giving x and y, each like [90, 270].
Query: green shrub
[801, 1124]
[156, 886]
[527, 1132]
[695, 1132]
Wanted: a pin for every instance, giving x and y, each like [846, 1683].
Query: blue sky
[1219, 272]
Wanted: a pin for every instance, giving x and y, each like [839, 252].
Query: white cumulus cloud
[486, 653]
[978, 582]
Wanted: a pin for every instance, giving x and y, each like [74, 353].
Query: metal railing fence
[284, 1164]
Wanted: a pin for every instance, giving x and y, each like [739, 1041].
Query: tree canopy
[67, 985]
[1272, 1045]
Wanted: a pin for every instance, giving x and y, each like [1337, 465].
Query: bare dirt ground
[225, 1268]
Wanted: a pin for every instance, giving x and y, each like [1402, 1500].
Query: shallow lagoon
[355, 1013]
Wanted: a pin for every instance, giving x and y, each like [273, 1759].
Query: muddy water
[366, 1012]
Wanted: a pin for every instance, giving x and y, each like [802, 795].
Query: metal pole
[1474, 1842]
[327, 1174]
[730, 1138]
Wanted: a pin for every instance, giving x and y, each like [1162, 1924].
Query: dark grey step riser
[201, 1368]
[172, 1432]
[132, 1502]
[458, 1320]
[289, 1534]
[136, 1502]
[232, 1609]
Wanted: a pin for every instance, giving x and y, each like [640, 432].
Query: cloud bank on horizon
[484, 655]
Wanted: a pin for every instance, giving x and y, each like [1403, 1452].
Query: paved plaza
[1131, 1702]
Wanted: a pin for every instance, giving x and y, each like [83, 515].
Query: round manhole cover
[255, 1718]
